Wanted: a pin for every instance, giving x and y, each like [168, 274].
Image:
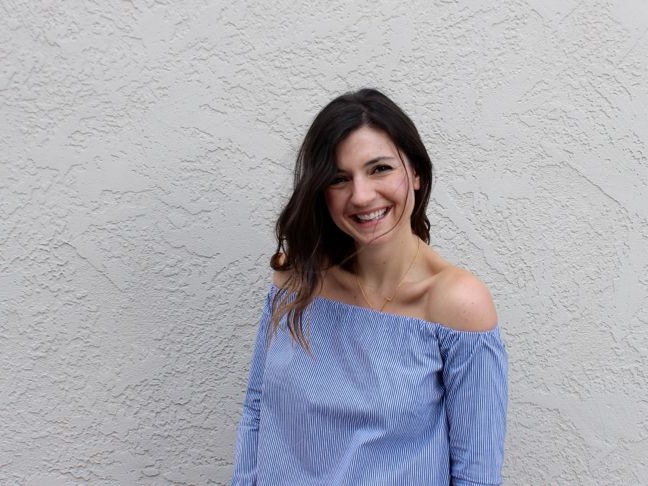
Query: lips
[368, 217]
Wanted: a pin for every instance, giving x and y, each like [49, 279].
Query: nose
[363, 192]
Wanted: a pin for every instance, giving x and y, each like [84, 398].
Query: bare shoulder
[461, 301]
[281, 277]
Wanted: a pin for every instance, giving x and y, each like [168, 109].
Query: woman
[377, 362]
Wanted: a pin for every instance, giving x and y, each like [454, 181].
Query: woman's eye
[339, 179]
[382, 168]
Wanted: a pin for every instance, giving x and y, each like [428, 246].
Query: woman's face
[372, 195]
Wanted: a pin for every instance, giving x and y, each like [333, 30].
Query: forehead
[363, 145]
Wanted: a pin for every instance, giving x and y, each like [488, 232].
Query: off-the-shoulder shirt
[383, 399]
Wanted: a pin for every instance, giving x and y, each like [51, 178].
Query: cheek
[328, 198]
[332, 202]
[400, 187]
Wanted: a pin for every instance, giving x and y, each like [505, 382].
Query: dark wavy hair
[308, 241]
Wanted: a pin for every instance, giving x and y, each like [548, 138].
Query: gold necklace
[389, 299]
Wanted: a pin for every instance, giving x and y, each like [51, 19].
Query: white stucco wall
[147, 146]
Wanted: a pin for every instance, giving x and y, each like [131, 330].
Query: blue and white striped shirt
[383, 400]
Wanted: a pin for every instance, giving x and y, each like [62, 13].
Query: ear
[417, 181]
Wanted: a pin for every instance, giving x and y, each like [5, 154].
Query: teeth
[371, 216]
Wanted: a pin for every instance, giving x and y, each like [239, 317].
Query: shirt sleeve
[476, 394]
[248, 430]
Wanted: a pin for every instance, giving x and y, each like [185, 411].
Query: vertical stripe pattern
[383, 400]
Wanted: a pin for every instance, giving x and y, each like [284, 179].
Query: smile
[372, 216]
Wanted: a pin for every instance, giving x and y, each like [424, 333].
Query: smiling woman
[373, 189]
[400, 372]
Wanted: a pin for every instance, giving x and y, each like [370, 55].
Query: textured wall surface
[146, 147]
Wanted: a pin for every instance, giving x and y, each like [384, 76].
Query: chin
[374, 240]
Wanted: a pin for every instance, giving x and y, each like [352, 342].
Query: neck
[383, 266]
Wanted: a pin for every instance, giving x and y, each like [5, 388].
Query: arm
[475, 379]
[247, 437]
